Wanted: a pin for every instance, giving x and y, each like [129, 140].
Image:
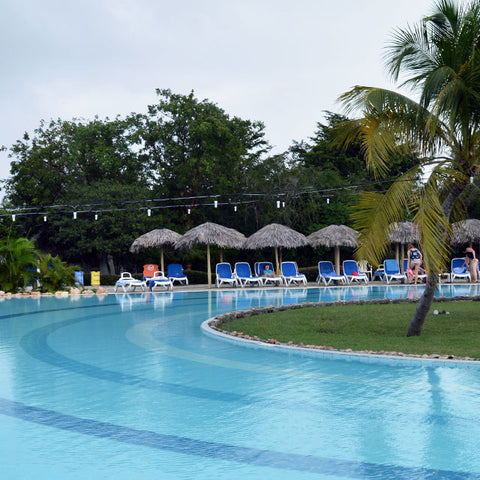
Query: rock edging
[218, 320]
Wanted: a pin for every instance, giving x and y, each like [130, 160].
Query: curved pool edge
[336, 354]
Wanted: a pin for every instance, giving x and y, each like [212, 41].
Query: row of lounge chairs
[390, 271]
[241, 275]
[153, 278]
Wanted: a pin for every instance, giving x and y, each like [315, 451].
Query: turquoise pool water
[128, 387]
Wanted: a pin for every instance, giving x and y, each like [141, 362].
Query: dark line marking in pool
[222, 451]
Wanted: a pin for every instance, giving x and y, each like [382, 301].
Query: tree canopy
[166, 168]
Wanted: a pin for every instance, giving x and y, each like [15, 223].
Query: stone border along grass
[218, 320]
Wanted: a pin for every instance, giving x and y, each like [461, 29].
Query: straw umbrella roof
[157, 238]
[211, 234]
[154, 239]
[276, 236]
[335, 236]
[404, 232]
[466, 231]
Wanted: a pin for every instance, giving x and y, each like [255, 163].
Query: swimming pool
[127, 387]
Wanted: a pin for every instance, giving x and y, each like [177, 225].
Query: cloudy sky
[277, 61]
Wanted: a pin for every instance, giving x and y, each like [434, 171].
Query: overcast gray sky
[277, 61]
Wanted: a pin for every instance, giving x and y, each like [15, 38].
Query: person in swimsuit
[471, 261]
[267, 271]
[414, 260]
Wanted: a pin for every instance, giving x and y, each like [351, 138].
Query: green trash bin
[95, 280]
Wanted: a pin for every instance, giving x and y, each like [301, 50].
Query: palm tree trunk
[424, 304]
[426, 300]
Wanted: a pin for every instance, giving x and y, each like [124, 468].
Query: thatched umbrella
[157, 238]
[402, 233]
[334, 236]
[211, 234]
[276, 236]
[466, 231]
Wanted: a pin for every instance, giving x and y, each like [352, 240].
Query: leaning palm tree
[439, 59]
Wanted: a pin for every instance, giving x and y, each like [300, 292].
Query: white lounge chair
[160, 280]
[128, 283]
[459, 270]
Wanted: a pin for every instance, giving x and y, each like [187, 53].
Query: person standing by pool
[414, 260]
[471, 261]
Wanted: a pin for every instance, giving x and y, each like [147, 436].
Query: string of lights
[232, 200]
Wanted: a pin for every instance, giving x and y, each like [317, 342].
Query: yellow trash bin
[95, 281]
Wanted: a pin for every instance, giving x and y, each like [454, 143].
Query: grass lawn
[377, 327]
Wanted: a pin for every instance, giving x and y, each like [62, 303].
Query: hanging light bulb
[471, 179]
[215, 203]
[149, 212]
[96, 216]
[235, 208]
[74, 215]
[328, 201]
[13, 217]
[278, 203]
[283, 204]
[188, 211]
[44, 218]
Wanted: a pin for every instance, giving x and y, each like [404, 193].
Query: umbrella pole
[402, 258]
[276, 261]
[221, 255]
[161, 261]
[209, 269]
[337, 260]
[397, 255]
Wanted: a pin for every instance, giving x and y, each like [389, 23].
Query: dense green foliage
[174, 160]
[21, 265]
[371, 327]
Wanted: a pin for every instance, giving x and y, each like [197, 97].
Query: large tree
[195, 148]
[439, 58]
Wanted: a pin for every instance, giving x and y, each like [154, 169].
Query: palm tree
[18, 262]
[439, 60]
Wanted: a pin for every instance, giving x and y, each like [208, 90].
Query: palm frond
[375, 212]
[435, 227]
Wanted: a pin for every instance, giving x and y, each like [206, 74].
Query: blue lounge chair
[327, 274]
[352, 272]
[244, 275]
[291, 275]
[260, 267]
[175, 274]
[459, 270]
[392, 271]
[128, 283]
[160, 280]
[224, 275]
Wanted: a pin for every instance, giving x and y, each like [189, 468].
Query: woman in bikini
[414, 260]
[471, 261]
